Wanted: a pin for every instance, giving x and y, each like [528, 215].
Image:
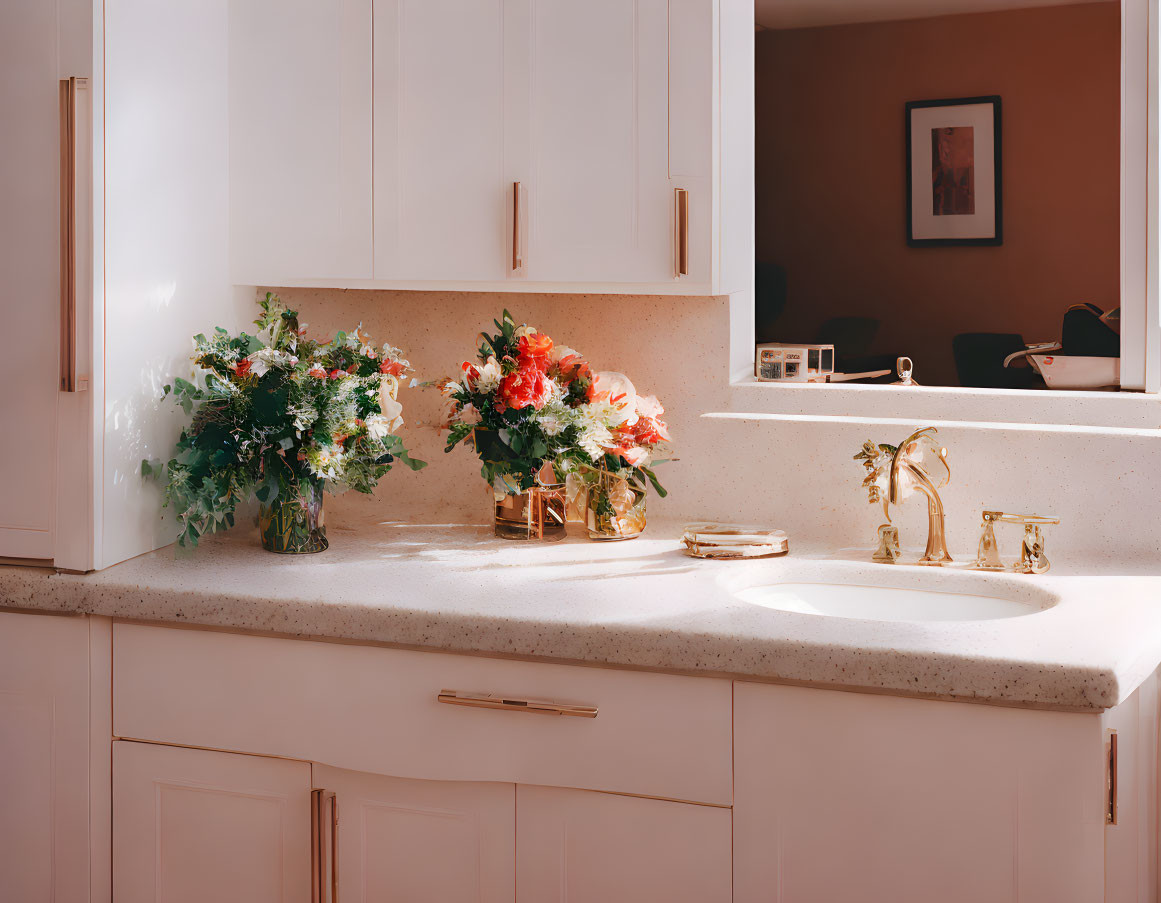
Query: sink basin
[883, 603]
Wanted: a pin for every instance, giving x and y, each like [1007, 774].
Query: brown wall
[831, 183]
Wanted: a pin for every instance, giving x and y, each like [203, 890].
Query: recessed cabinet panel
[190, 826]
[440, 185]
[438, 841]
[851, 796]
[29, 300]
[44, 763]
[579, 847]
[300, 140]
[591, 80]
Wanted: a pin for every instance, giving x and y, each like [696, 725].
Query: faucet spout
[936, 552]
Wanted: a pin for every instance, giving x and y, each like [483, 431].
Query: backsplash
[796, 474]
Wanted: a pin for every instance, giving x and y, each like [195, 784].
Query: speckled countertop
[640, 604]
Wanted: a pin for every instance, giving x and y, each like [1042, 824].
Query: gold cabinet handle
[324, 847]
[68, 232]
[536, 707]
[517, 232]
[681, 235]
[1111, 810]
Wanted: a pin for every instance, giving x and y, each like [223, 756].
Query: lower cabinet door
[583, 847]
[857, 797]
[192, 826]
[44, 759]
[422, 841]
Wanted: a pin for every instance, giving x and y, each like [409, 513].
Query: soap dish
[733, 541]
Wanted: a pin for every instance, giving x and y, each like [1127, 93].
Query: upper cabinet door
[440, 177]
[422, 841]
[589, 131]
[300, 140]
[190, 826]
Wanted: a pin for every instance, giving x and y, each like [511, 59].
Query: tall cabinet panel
[300, 139]
[589, 126]
[29, 262]
[422, 841]
[440, 177]
[190, 826]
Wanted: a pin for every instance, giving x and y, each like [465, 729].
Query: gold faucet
[936, 552]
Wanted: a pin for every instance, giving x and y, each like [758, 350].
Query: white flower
[378, 426]
[265, 359]
[522, 331]
[552, 424]
[392, 409]
[617, 391]
[490, 376]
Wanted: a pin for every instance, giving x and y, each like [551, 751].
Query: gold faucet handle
[1000, 517]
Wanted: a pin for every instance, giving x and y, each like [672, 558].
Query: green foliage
[274, 412]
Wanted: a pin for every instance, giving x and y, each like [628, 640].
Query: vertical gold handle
[1111, 809]
[681, 236]
[324, 847]
[68, 235]
[517, 232]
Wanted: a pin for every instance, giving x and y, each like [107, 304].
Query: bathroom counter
[638, 604]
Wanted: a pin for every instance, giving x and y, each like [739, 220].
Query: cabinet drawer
[376, 710]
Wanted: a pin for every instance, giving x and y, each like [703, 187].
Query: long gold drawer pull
[517, 232]
[68, 233]
[324, 847]
[681, 237]
[453, 697]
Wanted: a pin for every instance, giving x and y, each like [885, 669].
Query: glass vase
[535, 514]
[294, 525]
[614, 508]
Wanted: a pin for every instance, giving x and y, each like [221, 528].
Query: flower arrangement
[527, 403]
[277, 416]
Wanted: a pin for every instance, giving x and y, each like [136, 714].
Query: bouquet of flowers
[529, 404]
[517, 404]
[276, 416]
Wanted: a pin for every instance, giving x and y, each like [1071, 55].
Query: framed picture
[953, 172]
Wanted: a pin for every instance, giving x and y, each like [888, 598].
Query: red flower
[243, 367]
[526, 386]
[335, 374]
[471, 374]
[534, 348]
[391, 368]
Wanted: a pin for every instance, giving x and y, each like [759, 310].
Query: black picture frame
[997, 118]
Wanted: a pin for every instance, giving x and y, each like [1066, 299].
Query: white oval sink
[883, 603]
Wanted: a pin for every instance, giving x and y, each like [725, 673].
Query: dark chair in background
[979, 361]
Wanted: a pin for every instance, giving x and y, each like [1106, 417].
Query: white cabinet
[422, 841]
[844, 796]
[191, 826]
[405, 127]
[300, 140]
[114, 239]
[574, 846]
[590, 130]
[44, 759]
[439, 115]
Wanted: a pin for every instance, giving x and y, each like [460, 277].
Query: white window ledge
[921, 404]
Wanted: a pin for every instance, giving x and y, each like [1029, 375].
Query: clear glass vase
[535, 514]
[614, 507]
[295, 525]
